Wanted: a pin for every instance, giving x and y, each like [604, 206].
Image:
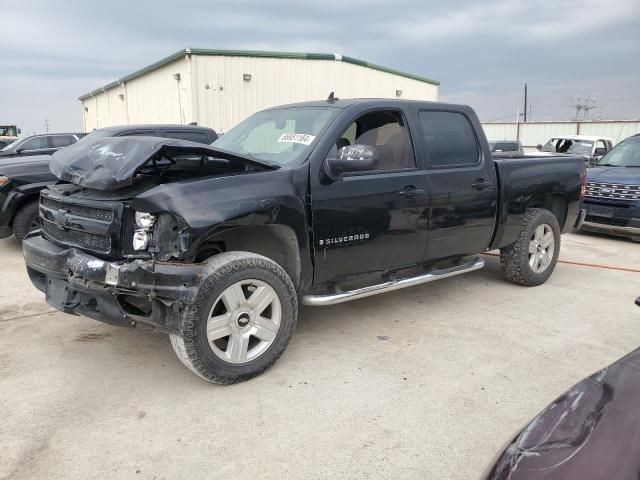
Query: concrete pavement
[426, 382]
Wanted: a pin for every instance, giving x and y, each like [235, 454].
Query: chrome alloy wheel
[541, 248]
[244, 321]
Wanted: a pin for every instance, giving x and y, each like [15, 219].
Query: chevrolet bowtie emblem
[61, 218]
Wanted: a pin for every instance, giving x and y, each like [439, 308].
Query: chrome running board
[339, 297]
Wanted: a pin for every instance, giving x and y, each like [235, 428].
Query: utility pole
[590, 104]
[46, 124]
[584, 104]
[578, 107]
[525, 102]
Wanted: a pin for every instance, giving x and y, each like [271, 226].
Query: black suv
[22, 178]
[40, 144]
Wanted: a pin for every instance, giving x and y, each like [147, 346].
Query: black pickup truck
[315, 203]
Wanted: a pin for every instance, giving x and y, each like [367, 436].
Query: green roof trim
[257, 54]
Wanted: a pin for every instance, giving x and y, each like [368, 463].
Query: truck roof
[149, 126]
[347, 102]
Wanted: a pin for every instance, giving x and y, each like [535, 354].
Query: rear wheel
[241, 321]
[532, 258]
[26, 220]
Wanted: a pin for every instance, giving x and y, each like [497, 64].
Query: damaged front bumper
[120, 293]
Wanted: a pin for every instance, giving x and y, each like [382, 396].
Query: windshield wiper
[607, 165]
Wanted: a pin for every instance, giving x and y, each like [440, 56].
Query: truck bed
[547, 180]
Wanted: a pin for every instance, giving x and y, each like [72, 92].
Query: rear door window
[59, 141]
[449, 139]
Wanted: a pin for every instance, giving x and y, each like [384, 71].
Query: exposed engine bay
[116, 162]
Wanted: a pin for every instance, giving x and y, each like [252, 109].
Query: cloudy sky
[482, 52]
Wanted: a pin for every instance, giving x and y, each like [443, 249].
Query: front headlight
[142, 235]
[140, 240]
[145, 220]
[4, 180]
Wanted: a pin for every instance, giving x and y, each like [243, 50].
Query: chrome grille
[75, 238]
[104, 214]
[613, 191]
[89, 226]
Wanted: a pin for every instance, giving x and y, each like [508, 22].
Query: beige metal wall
[222, 98]
[156, 97]
[534, 133]
[213, 92]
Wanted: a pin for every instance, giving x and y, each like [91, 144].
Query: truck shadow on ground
[151, 354]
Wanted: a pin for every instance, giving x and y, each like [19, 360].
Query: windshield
[625, 154]
[279, 136]
[8, 131]
[95, 135]
[568, 145]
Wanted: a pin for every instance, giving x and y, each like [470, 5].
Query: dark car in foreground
[319, 202]
[45, 144]
[591, 432]
[612, 200]
[22, 178]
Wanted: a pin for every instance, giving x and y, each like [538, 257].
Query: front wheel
[241, 321]
[530, 261]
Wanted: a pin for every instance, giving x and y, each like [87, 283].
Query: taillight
[583, 192]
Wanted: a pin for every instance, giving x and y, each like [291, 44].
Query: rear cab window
[190, 135]
[140, 133]
[505, 147]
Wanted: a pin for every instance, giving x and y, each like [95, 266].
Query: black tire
[514, 259]
[224, 270]
[25, 220]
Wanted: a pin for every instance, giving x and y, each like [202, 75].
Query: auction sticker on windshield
[301, 138]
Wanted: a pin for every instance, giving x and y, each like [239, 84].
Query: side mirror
[539, 146]
[19, 150]
[352, 158]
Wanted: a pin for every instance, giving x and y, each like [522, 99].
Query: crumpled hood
[619, 175]
[111, 163]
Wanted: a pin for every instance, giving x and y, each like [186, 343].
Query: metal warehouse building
[218, 88]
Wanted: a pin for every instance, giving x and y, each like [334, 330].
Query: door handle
[410, 191]
[480, 184]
